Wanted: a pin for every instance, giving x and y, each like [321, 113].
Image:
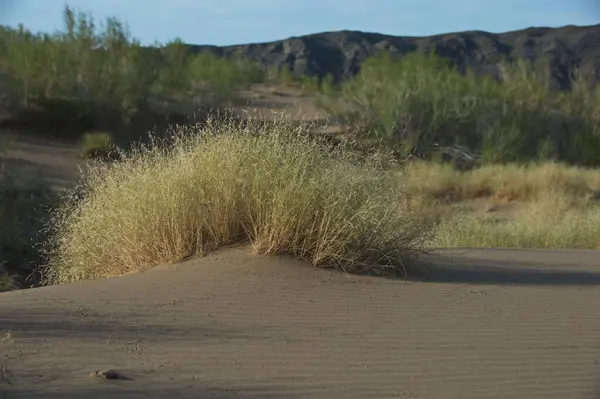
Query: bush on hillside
[421, 101]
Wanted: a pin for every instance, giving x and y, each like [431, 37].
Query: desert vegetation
[454, 159]
[281, 190]
[85, 73]
[271, 185]
[537, 205]
[424, 104]
[97, 145]
[501, 162]
[309, 84]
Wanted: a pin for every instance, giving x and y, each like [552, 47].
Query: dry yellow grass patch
[510, 182]
[552, 205]
[280, 190]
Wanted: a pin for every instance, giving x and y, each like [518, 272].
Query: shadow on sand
[494, 269]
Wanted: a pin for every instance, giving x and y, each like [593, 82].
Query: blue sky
[224, 22]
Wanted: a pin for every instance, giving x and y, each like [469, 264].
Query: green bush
[7, 282]
[282, 76]
[421, 101]
[97, 145]
[311, 84]
[79, 64]
[109, 69]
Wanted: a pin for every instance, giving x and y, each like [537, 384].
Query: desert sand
[465, 324]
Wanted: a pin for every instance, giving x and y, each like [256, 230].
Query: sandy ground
[56, 162]
[488, 324]
[478, 324]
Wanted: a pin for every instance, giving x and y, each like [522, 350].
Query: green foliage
[7, 281]
[78, 64]
[97, 145]
[175, 60]
[582, 103]
[108, 68]
[283, 76]
[421, 101]
[311, 84]
[219, 78]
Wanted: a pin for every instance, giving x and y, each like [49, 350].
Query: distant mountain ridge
[342, 53]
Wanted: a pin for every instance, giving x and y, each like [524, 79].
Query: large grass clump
[268, 184]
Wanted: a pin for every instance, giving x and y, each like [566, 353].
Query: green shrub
[421, 102]
[97, 145]
[310, 84]
[282, 76]
[7, 282]
[80, 64]
[109, 69]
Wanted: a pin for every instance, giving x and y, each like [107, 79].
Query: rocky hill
[341, 53]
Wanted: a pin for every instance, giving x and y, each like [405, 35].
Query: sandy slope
[489, 324]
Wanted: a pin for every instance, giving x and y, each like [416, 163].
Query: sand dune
[472, 324]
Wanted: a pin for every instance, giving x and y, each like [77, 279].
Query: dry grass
[511, 182]
[285, 192]
[551, 222]
[550, 205]
[282, 191]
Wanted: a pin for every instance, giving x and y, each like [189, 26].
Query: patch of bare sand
[264, 101]
[53, 160]
[472, 324]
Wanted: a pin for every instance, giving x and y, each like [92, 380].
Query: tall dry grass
[509, 182]
[553, 222]
[271, 185]
[550, 205]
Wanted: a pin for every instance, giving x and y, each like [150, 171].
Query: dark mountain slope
[341, 53]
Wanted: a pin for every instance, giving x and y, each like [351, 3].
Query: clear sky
[224, 22]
